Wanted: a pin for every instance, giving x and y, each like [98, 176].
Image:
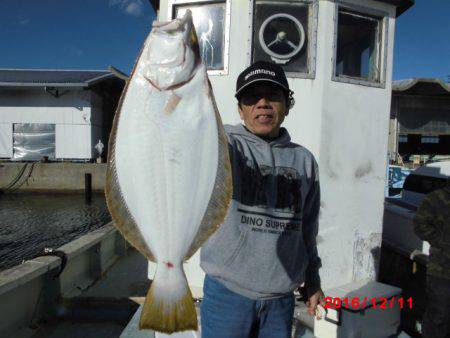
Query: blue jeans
[225, 314]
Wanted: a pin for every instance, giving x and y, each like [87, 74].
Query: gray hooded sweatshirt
[266, 247]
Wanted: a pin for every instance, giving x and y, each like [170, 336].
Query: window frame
[226, 48]
[313, 20]
[382, 45]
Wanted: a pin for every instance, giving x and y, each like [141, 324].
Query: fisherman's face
[263, 109]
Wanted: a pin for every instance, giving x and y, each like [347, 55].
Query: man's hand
[313, 301]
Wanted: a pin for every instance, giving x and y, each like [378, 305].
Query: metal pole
[88, 187]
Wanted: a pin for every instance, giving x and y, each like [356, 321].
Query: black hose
[57, 253]
[25, 180]
[15, 179]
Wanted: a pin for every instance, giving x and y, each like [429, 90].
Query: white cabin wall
[305, 118]
[70, 112]
[6, 140]
[73, 141]
[352, 162]
[37, 106]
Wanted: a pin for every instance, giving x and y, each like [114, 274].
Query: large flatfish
[168, 182]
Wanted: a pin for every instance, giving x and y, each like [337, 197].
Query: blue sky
[73, 34]
[422, 41]
[93, 34]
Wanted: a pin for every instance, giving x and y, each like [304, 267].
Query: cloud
[130, 7]
[24, 21]
[113, 3]
[134, 8]
[74, 50]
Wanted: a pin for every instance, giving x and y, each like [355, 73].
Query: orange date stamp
[357, 303]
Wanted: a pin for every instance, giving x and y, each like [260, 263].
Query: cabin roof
[421, 86]
[52, 77]
[402, 5]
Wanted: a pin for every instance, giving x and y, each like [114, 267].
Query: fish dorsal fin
[123, 220]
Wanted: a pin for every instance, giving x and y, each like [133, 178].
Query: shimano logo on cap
[259, 71]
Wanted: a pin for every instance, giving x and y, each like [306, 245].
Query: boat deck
[110, 307]
[103, 310]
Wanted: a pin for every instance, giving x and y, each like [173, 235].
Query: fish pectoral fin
[172, 103]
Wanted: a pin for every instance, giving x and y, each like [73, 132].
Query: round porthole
[282, 37]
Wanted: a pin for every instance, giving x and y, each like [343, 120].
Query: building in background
[56, 114]
[420, 119]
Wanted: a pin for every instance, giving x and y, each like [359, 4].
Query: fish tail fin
[169, 306]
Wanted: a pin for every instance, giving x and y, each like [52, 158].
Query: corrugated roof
[421, 86]
[54, 78]
[402, 5]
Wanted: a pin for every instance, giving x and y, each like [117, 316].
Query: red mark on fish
[169, 265]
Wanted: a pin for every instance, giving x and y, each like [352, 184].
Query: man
[432, 224]
[266, 247]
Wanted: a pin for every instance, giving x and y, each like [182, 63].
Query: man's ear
[286, 108]
[241, 114]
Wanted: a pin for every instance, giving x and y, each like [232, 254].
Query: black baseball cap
[262, 71]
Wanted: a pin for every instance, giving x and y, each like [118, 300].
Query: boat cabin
[338, 57]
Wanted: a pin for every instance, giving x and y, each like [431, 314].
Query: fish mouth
[169, 27]
[171, 53]
[173, 42]
[175, 26]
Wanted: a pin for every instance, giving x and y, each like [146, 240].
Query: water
[31, 222]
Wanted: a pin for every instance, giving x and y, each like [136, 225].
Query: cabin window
[284, 32]
[359, 53]
[402, 138]
[211, 21]
[429, 139]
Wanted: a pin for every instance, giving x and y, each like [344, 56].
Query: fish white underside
[166, 162]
